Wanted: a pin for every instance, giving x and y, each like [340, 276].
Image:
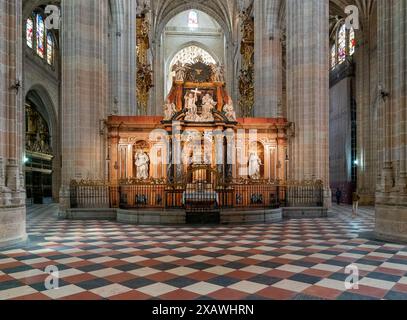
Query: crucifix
[196, 92]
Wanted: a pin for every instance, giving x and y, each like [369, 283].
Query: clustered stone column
[84, 39]
[366, 106]
[391, 196]
[124, 57]
[267, 59]
[307, 90]
[12, 194]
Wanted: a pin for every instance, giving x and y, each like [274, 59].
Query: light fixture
[25, 160]
[356, 162]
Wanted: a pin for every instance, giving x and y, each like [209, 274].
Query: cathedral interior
[218, 149]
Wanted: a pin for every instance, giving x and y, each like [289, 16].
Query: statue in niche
[180, 71]
[142, 165]
[208, 105]
[190, 105]
[169, 110]
[229, 110]
[254, 166]
[218, 72]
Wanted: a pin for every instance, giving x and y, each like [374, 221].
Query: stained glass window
[50, 49]
[352, 41]
[342, 44]
[189, 54]
[193, 19]
[30, 32]
[333, 56]
[40, 36]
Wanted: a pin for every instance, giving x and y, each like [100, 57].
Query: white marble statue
[218, 72]
[208, 105]
[180, 71]
[142, 164]
[229, 110]
[169, 110]
[254, 166]
[190, 105]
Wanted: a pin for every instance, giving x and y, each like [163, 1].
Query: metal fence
[195, 196]
[86, 195]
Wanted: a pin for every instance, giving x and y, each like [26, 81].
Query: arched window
[40, 36]
[39, 39]
[30, 32]
[352, 42]
[333, 56]
[193, 19]
[344, 45]
[50, 49]
[189, 54]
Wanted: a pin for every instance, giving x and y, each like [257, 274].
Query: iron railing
[158, 194]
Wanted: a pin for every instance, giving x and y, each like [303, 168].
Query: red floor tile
[202, 276]
[179, 295]
[228, 294]
[276, 294]
[131, 295]
[161, 276]
[241, 275]
[83, 296]
[370, 292]
[33, 297]
[321, 292]
[79, 278]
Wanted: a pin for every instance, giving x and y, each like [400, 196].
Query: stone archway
[42, 160]
[164, 15]
[209, 56]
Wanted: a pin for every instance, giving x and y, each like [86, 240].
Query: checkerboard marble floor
[295, 259]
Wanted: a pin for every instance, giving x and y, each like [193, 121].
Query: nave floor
[295, 259]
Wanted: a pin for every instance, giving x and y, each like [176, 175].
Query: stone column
[308, 89]
[12, 193]
[84, 42]
[267, 59]
[124, 57]
[391, 197]
[366, 106]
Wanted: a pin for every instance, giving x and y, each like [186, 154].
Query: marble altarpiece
[199, 127]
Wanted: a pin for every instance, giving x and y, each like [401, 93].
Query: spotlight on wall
[383, 93]
[16, 86]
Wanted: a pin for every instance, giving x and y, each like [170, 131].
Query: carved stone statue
[218, 72]
[142, 164]
[229, 110]
[190, 105]
[254, 166]
[180, 71]
[207, 106]
[169, 110]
